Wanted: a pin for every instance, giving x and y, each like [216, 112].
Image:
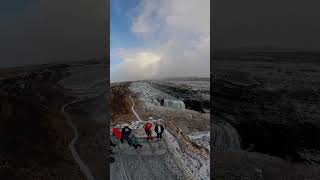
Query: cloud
[137, 64]
[176, 31]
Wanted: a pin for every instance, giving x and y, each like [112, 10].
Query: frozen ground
[194, 166]
[152, 95]
[151, 161]
[87, 116]
[197, 166]
[201, 138]
[147, 92]
[86, 81]
[169, 157]
[197, 85]
[191, 84]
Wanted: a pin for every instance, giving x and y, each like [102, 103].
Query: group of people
[126, 135]
[159, 129]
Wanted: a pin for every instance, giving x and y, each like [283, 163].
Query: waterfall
[224, 137]
[174, 104]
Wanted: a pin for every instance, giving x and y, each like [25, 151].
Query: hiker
[148, 129]
[159, 128]
[117, 135]
[126, 131]
[134, 141]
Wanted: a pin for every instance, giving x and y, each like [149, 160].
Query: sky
[290, 24]
[45, 31]
[159, 39]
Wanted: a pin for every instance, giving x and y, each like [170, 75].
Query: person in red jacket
[116, 136]
[117, 133]
[148, 129]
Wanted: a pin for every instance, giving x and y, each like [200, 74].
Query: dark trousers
[149, 135]
[159, 135]
[127, 139]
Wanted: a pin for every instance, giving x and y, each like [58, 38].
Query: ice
[151, 95]
[174, 104]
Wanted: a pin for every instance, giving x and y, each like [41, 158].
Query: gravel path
[148, 162]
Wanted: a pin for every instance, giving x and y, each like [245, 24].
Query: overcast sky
[170, 33]
[42, 31]
[281, 23]
[159, 38]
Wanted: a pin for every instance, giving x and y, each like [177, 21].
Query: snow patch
[202, 138]
[151, 95]
[196, 167]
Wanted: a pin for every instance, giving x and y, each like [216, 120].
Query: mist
[288, 24]
[39, 32]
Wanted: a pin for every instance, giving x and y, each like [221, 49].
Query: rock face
[194, 99]
[272, 113]
[224, 137]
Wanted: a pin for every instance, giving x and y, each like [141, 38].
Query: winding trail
[188, 174]
[132, 108]
[85, 170]
[123, 168]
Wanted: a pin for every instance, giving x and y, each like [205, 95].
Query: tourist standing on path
[159, 129]
[148, 129]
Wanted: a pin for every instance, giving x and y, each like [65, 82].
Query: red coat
[117, 133]
[148, 126]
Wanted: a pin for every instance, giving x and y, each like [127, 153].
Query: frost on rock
[174, 104]
[154, 96]
[198, 166]
[201, 138]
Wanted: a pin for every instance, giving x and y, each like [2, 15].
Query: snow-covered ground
[196, 167]
[201, 138]
[194, 85]
[85, 81]
[149, 94]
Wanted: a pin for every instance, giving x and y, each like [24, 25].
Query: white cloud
[137, 64]
[177, 35]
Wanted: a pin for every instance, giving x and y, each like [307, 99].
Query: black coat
[126, 131]
[157, 130]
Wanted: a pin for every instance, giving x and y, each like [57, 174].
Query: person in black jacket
[159, 129]
[126, 131]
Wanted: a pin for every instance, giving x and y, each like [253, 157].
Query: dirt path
[83, 83]
[85, 170]
[132, 108]
[149, 162]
